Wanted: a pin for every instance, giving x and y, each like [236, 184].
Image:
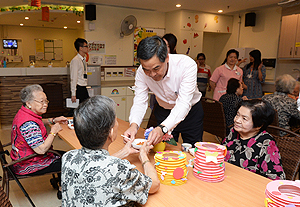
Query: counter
[33, 71]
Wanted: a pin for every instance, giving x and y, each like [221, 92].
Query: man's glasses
[85, 46]
[42, 102]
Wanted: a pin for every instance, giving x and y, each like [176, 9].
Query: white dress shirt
[176, 91]
[76, 73]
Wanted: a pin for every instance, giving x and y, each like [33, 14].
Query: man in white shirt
[173, 80]
[78, 72]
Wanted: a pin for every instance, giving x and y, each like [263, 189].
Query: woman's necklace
[250, 74]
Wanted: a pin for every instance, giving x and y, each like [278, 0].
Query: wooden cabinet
[290, 37]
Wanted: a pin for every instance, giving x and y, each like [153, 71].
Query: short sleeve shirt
[221, 75]
[93, 178]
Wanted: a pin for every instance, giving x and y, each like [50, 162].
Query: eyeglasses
[201, 59]
[42, 102]
[85, 46]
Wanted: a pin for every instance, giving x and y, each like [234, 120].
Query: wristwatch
[164, 129]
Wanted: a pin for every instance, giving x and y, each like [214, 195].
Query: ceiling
[60, 19]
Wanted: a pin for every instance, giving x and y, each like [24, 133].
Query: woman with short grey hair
[285, 84]
[29, 135]
[90, 176]
[286, 107]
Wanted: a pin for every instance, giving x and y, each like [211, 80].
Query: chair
[275, 123]
[214, 118]
[54, 93]
[288, 146]
[8, 173]
[4, 201]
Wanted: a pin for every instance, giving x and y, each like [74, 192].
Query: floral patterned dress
[258, 154]
[94, 178]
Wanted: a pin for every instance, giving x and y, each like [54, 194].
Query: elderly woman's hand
[126, 150]
[55, 128]
[61, 120]
[144, 150]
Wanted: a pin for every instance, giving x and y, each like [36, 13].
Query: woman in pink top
[222, 74]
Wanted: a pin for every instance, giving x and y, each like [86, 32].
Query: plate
[137, 143]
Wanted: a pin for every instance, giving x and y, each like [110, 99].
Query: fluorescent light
[178, 5]
[21, 24]
[220, 11]
[65, 27]
[26, 17]
[78, 21]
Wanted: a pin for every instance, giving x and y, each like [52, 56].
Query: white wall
[28, 34]
[108, 26]
[265, 35]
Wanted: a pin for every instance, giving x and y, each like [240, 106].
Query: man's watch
[164, 129]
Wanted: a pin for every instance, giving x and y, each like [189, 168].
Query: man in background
[78, 72]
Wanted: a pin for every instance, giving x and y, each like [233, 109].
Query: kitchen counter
[28, 71]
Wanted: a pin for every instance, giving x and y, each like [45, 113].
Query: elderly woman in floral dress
[249, 146]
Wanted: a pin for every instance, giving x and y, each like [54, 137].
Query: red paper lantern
[36, 3]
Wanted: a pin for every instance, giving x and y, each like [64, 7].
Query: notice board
[46, 49]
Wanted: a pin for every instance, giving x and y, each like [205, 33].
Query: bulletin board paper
[49, 49]
[39, 46]
[58, 43]
[49, 44]
[97, 47]
[48, 56]
[110, 59]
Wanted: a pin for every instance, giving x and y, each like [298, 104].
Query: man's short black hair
[151, 46]
[79, 42]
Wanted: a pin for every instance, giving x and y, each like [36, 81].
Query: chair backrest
[288, 146]
[275, 123]
[214, 117]
[4, 201]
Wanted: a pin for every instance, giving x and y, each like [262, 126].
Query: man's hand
[73, 99]
[155, 136]
[131, 132]
[61, 120]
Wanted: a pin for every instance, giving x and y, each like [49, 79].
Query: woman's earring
[29, 107]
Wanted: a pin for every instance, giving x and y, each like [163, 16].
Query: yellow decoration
[290, 197]
[166, 163]
[211, 157]
[159, 147]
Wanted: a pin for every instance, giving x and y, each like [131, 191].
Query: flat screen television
[10, 44]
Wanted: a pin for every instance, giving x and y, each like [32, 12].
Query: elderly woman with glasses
[29, 135]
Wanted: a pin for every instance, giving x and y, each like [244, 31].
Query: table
[240, 187]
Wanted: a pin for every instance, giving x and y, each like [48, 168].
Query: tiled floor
[39, 188]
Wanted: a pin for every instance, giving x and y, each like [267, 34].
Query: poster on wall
[97, 47]
[110, 59]
[141, 33]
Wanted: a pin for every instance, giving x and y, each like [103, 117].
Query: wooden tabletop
[240, 187]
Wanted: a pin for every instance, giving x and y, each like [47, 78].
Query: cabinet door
[287, 36]
[120, 106]
[297, 41]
